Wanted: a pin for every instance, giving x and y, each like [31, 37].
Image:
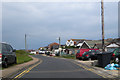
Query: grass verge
[22, 56]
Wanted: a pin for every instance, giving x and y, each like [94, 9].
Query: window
[4, 49]
[111, 49]
[9, 48]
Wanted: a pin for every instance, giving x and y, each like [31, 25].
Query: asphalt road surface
[50, 67]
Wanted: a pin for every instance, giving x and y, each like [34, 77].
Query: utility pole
[25, 42]
[102, 19]
[59, 42]
[60, 45]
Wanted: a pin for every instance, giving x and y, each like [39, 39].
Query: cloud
[44, 22]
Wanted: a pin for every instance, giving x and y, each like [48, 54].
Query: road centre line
[76, 70]
[27, 70]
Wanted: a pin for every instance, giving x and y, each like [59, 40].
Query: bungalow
[73, 42]
[110, 47]
[81, 43]
[68, 43]
[53, 46]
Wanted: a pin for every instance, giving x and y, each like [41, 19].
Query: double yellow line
[26, 71]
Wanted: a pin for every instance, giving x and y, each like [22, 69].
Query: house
[62, 46]
[68, 43]
[83, 44]
[53, 46]
[113, 45]
[79, 43]
[41, 48]
[73, 42]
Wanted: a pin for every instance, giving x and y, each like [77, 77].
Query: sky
[44, 22]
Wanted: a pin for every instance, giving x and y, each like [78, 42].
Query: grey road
[51, 67]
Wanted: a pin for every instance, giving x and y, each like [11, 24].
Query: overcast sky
[43, 22]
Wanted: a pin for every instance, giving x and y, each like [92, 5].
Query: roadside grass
[0, 67]
[22, 56]
[31, 54]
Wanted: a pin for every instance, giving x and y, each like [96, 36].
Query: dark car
[8, 54]
[91, 54]
[116, 54]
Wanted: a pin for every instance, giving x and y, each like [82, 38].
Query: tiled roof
[68, 40]
[53, 44]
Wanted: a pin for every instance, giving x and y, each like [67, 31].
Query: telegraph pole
[59, 42]
[102, 19]
[60, 45]
[25, 42]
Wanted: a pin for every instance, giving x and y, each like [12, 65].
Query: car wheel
[80, 58]
[15, 62]
[84, 59]
[5, 65]
[89, 59]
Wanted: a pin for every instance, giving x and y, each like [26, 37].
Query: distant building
[73, 42]
[41, 48]
[53, 46]
[68, 43]
[111, 47]
[79, 43]
[83, 44]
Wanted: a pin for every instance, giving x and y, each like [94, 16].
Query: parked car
[33, 52]
[116, 54]
[80, 52]
[47, 53]
[52, 53]
[91, 54]
[41, 52]
[8, 54]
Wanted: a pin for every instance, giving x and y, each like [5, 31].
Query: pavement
[7, 72]
[99, 70]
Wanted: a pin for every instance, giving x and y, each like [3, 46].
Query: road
[50, 67]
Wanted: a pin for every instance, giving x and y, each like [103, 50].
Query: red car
[81, 51]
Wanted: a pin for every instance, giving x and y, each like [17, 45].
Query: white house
[77, 43]
[83, 44]
[72, 42]
[68, 43]
[110, 47]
